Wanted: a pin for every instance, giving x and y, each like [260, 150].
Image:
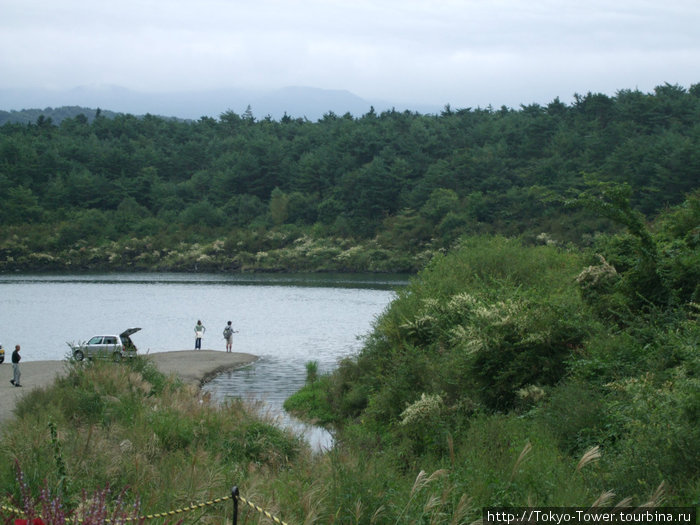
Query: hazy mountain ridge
[294, 101]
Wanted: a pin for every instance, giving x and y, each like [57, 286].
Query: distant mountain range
[296, 102]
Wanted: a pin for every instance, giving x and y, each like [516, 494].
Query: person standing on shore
[228, 335]
[198, 333]
[15, 367]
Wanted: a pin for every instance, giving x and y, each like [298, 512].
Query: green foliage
[575, 414]
[679, 237]
[440, 203]
[658, 414]
[613, 201]
[643, 269]
[489, 375]
[517, 343]
[263, 443]
[310, 403]
[498, 350]
[480, 324]
[20, 205]
[173, 431]
[105, 424]
[279, 206]
[500, 368]
[311, 372]
[411, 182]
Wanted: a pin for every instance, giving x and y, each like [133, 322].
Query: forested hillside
[345, 193]
[57, 115]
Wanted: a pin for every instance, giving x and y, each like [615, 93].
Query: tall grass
[158, 449]
[490, 381]
[169, 446]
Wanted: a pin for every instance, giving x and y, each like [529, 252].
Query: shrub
[311, 403]
[174, 431]
[475, 327]
[575, 415]
[661, 435]
[523, 342]
[264, 443]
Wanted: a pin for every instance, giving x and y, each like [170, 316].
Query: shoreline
[191, 366]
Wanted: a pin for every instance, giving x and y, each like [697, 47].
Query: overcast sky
[462, 52]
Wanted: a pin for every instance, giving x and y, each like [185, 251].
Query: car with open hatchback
[106, 346]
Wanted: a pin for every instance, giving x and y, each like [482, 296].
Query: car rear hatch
[129, 346]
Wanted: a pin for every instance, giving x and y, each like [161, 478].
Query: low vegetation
[138, 443]
[536, 375]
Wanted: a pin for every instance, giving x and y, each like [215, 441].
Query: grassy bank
[289, 250]
[122, 440]
[159, 446]
[535, 375]
[505, 374]
[154, 442]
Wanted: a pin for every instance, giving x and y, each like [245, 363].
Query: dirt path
[191, 366]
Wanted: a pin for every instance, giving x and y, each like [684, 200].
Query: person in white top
[198, 333]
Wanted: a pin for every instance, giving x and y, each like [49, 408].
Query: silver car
[113, 347]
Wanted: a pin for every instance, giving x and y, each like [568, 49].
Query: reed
[590, 456]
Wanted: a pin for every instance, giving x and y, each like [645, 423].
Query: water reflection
[324, 280]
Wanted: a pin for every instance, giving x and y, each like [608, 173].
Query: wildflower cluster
[531, 394]
[600, 275]
[425, 408]
[92, 509]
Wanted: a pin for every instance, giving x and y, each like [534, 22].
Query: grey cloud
[452, 49]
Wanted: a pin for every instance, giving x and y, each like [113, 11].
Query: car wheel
[78, 354]
[116, 357]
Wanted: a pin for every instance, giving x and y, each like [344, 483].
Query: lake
[286, 320]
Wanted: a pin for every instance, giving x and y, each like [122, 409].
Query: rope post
[234, 497]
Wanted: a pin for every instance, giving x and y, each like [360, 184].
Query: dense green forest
[379, 192]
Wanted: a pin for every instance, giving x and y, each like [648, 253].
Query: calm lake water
[286, 320]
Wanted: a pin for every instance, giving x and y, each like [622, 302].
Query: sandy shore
[191, 366]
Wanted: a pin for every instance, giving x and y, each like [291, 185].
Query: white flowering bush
[477, 326]
[531, 394]
[218, 246]
[600, 287]
[498, 344]
[598, 276]
[424, 409]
